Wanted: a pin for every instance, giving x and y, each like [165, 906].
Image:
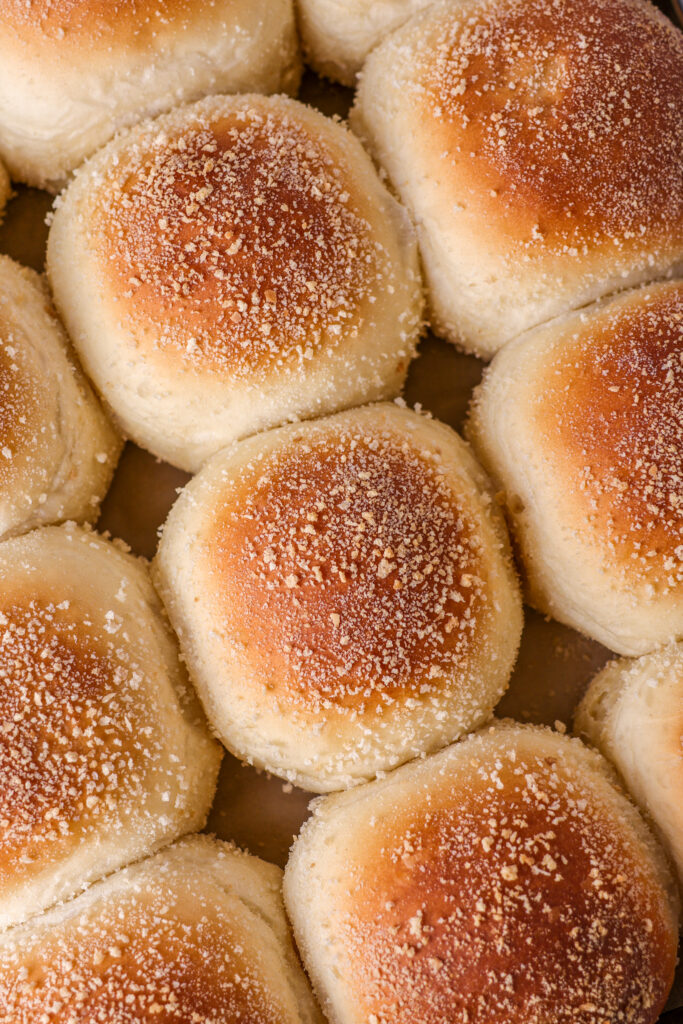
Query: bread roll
[195, 934]
[231, 266]
[74, 72]
[539, 147]
[337, 35]
[343, 594]
[503, 880]
[580, 424]
[104, 752]
[57, 450]
[633, 713]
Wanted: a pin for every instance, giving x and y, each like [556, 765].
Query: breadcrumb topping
[238, 244]
[354, 570]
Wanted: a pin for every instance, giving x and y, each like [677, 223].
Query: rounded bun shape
[75, 72]
[539, 148]
[633, 713]
[337, 35]
[231, 266]
[195, 934]
[505, 880]
[57, 450]
[343, 593]
[595, 399]
[104, 752]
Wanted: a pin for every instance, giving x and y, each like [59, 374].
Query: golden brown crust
[609, 404]
[72, 735]
[562, 121]
[237, 242]
[19, 396]
[514, 900]
[57, 25]
[349, 571]
[153, 956]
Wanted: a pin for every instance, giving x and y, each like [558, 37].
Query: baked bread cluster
[237, 283]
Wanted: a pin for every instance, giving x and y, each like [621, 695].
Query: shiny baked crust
[539, 147]
[500, 881]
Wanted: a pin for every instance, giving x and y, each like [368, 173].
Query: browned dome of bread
[249, 268]
[503, 881]
[343, 593]
[104, 753]
[596, 399]
[547, 165]
[195, 935]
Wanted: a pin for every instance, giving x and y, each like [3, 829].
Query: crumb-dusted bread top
[502, 881]
[608, 401]
[100, 730]
[234, 239]
[60, 28]
[352, 566]
[561, 123]
[195, 934]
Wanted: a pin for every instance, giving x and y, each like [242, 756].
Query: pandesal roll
[337, 35]
[195, 934]
[104, 751]
[539, 147]
[74, 72]
[231, 266]
[57, 450]
[580, 425]
[343, 593]
[505, 880]
[633, 713]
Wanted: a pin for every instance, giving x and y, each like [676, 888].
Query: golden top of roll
[235, 245]
[103, 752]
[57, 449]
[196, 934]
[547, 153]
[236, 242]
[502, 879]
[609, 405]
[595, 398]
[347, 578]
[41, 24]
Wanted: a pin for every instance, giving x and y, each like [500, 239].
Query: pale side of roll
[104, 751]
[195, 934]
[579, 423]
[232, 266]
[539, 148]
[503, 879]
[633, 713]
[74, 72]
[344, 594]
[337, 35]
[58, 451]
